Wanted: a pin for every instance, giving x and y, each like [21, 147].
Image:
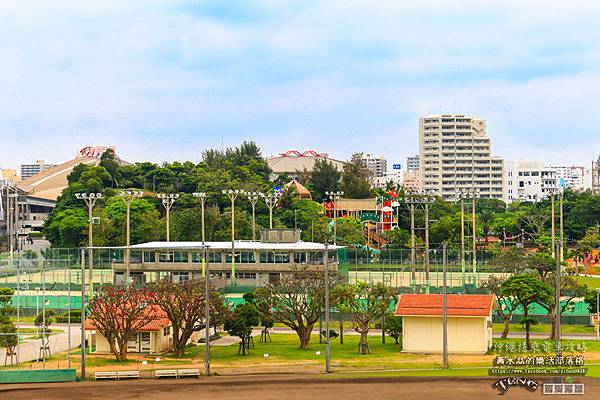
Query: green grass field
[546, 328]
[592, 283]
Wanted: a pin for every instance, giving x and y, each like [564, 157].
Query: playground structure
[378, 215]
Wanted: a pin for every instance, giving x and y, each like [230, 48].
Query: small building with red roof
[469, 321]
[155, 337]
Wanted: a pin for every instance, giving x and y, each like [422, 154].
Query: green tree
[323, 177]
[364, 303]
[350, 231]
[240, 323]
[393, 327]
[67, 228]
[298, 299]
[525, 290]
[356, 178]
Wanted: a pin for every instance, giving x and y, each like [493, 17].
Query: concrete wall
[465, 334]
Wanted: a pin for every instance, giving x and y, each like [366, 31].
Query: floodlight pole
[128, 197]
[202, 197]
[334, 197]
[552, 219]
[327, 350]
[253, 198]
[233, 194]
[90, 200]
[561, 227]
[206, 313]
[444, 307]
[167, 202]
[271, 201]
[83, 314]
[557, 302]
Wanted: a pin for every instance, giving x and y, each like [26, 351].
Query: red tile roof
[158, 322]
[466, 305]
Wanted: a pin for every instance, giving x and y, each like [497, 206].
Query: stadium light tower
[253, 198]
[167, 202]
[202, 197]
[128, 196]
[233, 194]
[334, 197]
[271, 201]
[90, 200]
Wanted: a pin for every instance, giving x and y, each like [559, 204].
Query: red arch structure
[303, 154]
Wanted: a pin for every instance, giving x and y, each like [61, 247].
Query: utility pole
[202, 197]
[334, 197]
[327, 350]
[90, 200]
[460, 193]
[413, 272]
[206, 306]
[233, 194]
[128, 197]
[83, 316]
[444, 307]
[474, 227]
[552, 218]
[167, 202]
[557, 303]
[253, 198]
[561, 227]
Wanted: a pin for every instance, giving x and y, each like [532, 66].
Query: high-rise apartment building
[376, 164]
[412, 163]
[528, 181]
[29, 170]
[455, 153]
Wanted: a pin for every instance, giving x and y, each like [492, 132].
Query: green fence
[37, 376]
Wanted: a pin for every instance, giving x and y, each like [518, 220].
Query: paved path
[29, 350]
[288, 387]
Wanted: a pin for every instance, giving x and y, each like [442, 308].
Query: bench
[128, 375]
[188, 372]
[165, 373]
[105, 375]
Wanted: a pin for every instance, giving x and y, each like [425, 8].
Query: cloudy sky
[163, 80]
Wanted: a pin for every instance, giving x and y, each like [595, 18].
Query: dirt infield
[280, 388]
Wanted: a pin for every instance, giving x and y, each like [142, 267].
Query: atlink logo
[504, 384]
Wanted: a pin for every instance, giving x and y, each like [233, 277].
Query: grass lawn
[498, 328]
[284, 356]
[592, 283]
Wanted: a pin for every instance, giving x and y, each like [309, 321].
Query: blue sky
[163, 80]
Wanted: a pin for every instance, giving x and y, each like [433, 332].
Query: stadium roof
[239, 245]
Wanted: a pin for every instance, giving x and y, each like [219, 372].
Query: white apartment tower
[376, 164]
[528, 181]
[455, 153]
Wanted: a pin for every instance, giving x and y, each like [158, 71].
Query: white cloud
[162, 82]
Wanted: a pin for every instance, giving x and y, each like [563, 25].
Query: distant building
[572, 177]
[29, 170]
[412, 163]
[528, 181]
[411, 181]
[293, 162]
[455, 153]
[394, 176]
[376, 164]
[9, 175]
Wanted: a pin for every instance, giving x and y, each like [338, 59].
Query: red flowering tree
[119, 312]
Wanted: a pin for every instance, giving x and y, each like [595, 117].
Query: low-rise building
[256, 263]
[469, 322]
[155, 337]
